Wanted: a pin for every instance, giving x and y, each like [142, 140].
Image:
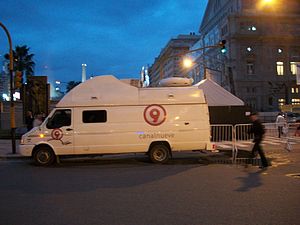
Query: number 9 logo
[57, 134]
[155, 115]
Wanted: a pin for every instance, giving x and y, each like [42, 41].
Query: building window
[252, 28]
[250, 68]
[293, 68]
[251, 103]
[249, 26]
[280, 68]
[224, 30]
[217, 5]
[295, 90]
[296, 101]
[281, 101]
[251, 89]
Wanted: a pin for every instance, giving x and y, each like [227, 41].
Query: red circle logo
[155, 115]
[57, 134]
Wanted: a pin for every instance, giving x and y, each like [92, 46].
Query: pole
[12, 104]
[165, 58]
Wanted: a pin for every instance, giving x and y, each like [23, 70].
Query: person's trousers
[257, 148]
[280, 131]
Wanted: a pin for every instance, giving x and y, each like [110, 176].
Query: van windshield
[60, 118]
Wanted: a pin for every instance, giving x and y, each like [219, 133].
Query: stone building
[263, 48]
[168, 63]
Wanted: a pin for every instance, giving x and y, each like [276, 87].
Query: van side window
[94, 116]
[60, 118]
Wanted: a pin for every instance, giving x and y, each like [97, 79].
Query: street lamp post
[187, 62]
[12, 104]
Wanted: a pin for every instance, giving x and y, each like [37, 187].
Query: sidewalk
[6, 149]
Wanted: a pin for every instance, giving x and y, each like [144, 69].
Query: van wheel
[159, 153]
[44, 156]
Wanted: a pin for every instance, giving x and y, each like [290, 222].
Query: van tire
[43, 156]
[159, 153]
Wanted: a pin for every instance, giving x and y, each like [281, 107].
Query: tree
[23, 61]
[71, 85]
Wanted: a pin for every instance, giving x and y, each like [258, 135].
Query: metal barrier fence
[223, 133]
[292, 134]
[234, 135]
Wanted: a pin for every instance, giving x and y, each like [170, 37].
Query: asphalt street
[133, 191]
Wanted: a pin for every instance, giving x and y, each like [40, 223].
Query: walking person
[29, 120]
[297, 132]
[280, 122]
[258, 130]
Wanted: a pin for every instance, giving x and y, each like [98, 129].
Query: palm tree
[23, 61]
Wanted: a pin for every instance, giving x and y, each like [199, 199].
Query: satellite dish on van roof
[176, 82]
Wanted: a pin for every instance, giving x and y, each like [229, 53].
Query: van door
[60, 127]
[91, 135]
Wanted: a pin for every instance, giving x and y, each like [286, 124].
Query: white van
[107, 116]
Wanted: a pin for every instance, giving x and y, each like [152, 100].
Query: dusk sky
[112, 37]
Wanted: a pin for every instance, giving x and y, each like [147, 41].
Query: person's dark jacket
[29, 122]
[258, 130]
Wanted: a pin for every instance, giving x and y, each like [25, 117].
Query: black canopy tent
[224, 107]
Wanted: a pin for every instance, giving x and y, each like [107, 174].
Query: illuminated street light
[5, 97]
[185, 53]
[58, 87]
[187, 63]
[268, 5]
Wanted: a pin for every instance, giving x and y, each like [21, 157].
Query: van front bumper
[26, 150]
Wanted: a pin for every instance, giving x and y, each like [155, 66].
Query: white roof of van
[108, 90]
[217, 95]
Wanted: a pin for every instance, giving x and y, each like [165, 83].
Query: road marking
[242, 145]
[294, 175]
[273, 141]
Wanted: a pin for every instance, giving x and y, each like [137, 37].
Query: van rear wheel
[159, 153]
[44, 156]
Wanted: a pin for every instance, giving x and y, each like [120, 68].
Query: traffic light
[223, 47]
[18, 79]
